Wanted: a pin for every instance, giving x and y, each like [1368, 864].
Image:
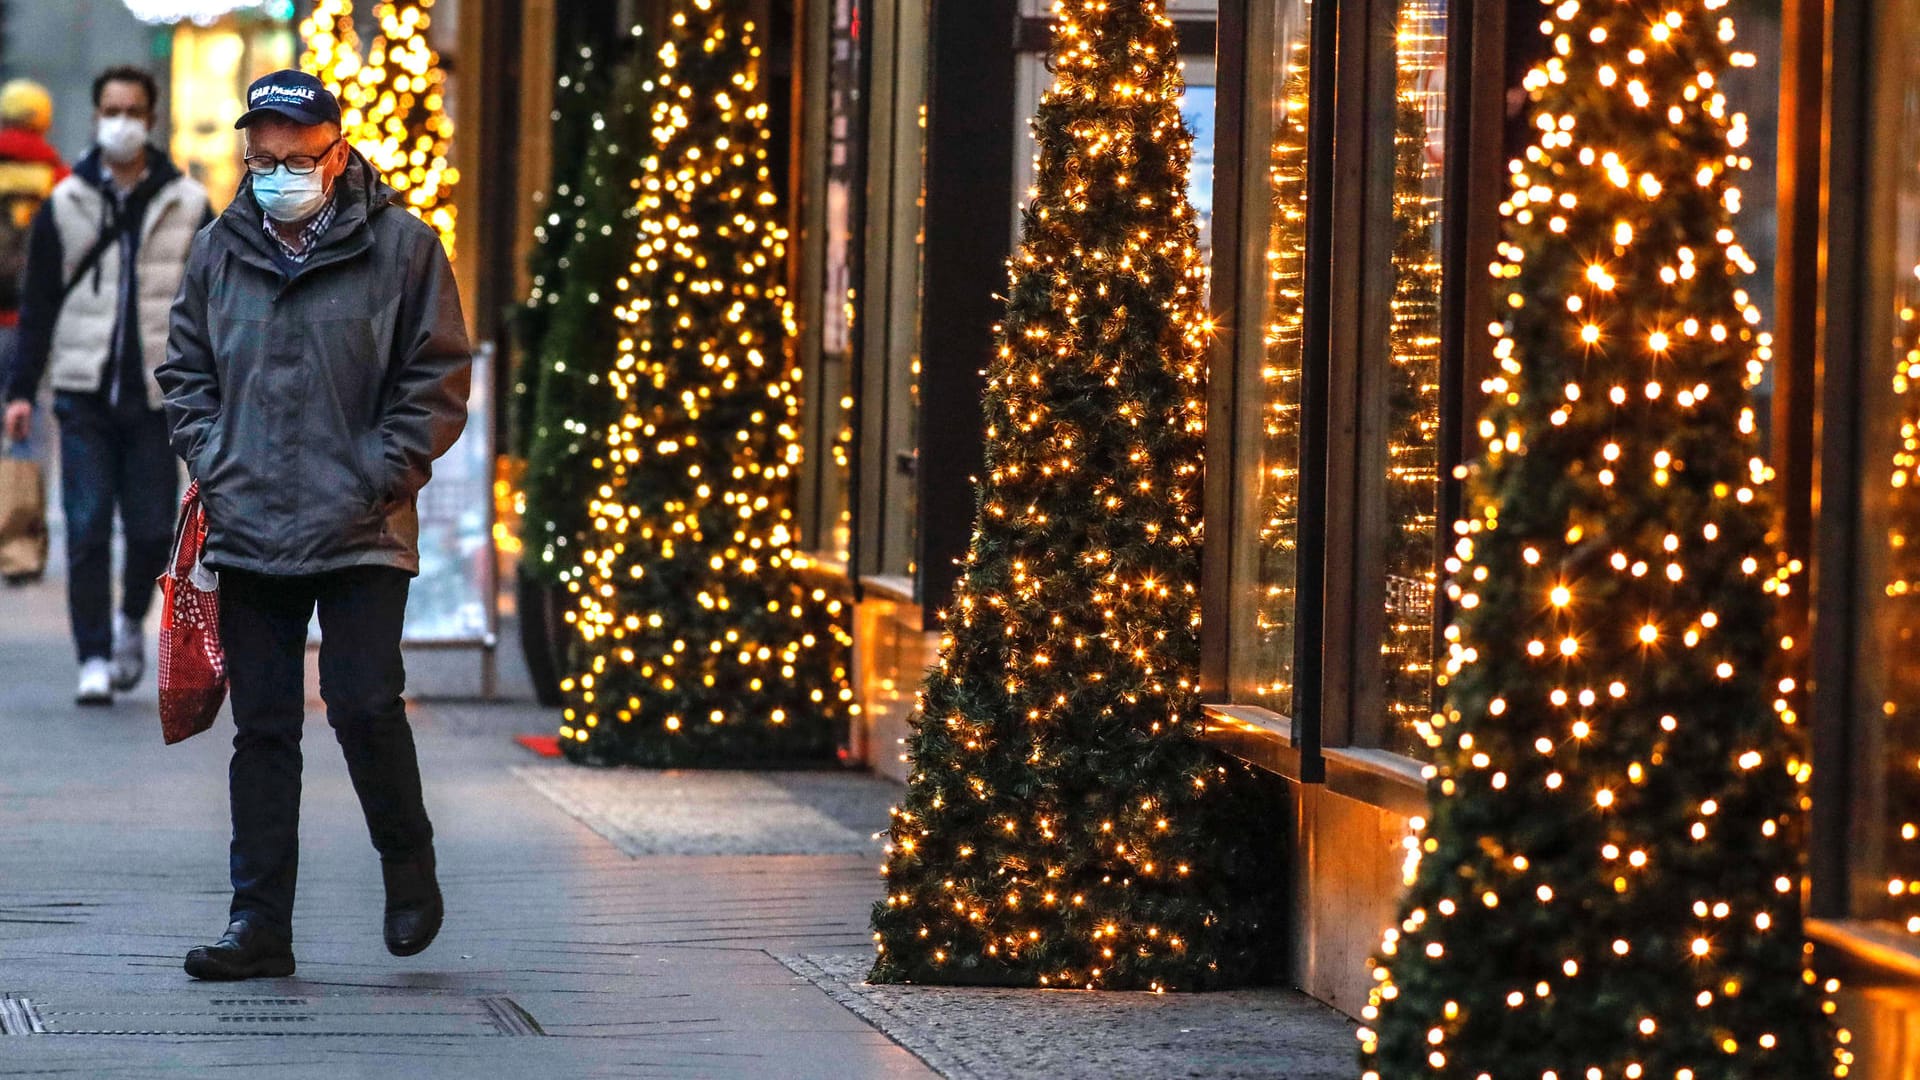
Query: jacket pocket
[370, 461]
[208, 459]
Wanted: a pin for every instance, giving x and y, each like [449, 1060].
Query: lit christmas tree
[330, 46]
[560, 222]
[1610, 884]
[1063, 826]
[569, 320]
[392, 100]
[701, 641]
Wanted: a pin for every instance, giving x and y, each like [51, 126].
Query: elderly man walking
[317, 365]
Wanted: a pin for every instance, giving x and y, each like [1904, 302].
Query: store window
[1886, 811]
[837, 319]
[1412, 386]
[889, 417]
[1268, 559]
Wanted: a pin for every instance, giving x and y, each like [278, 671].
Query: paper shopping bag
[23, 516]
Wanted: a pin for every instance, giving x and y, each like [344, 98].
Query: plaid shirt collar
[309, 235]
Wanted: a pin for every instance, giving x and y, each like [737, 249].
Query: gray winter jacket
[311, 407]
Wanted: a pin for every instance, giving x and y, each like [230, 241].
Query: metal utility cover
[239, 1014]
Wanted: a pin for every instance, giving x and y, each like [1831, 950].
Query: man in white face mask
[318, 365]
[105, 256]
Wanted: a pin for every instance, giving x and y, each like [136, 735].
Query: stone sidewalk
[601, 923]
[113, 863]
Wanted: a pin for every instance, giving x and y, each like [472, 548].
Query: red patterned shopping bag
[193, 665]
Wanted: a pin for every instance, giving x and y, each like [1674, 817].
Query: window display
[1265, 653]
[1886, 817]
[1413, 378]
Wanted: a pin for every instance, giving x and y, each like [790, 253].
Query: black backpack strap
[109, 236]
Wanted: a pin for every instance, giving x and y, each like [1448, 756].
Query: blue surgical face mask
[286, 197]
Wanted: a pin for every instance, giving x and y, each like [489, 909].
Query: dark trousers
[113, 458]
[263, 624]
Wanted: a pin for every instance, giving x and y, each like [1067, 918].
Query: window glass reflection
[1887, 813]
[845, 142]
[1266, 653]
[1413, 375]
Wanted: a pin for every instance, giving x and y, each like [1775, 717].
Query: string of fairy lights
[1618, 767]
[393, 106]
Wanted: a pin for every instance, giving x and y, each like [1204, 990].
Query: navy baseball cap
[293, 94]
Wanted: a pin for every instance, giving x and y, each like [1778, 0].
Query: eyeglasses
[297, 164]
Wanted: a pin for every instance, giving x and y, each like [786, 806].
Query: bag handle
[191, 515]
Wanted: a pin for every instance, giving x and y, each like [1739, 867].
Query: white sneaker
[96, 683]
[129, 652]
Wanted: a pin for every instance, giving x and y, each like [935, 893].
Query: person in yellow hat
[29, 167]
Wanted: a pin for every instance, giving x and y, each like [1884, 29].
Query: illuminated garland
[392, 100]
[1610, 885]
[701, 641]
[1062, 825]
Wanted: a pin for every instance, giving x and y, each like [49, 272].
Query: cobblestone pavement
[601, 923]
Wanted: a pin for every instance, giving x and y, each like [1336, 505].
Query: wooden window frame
[1335, 728]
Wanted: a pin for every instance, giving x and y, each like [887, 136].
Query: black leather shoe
[414, 908]
[247, 950]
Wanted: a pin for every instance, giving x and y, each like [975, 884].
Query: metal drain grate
[17, 1017]
[366, 1014]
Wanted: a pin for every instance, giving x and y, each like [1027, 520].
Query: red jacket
[19, 144]
[29, 165]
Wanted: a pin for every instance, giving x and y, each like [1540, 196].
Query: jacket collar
[93, 171]
[362, 196]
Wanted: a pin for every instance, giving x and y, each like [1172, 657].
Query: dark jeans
[113, 458]
[263, 623]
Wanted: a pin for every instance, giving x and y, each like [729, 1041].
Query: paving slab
[976, 1033]
[673, 811]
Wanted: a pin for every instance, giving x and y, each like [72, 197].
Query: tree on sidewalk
[330, 45]
[576, 118]
[1063, 826]
[392, 99]
[702, 639]
[1609, 886]
[569, 319]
